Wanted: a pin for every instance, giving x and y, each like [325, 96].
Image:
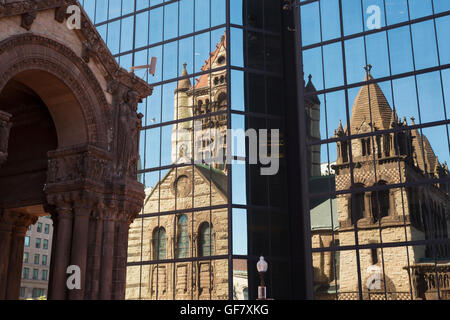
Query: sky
[422, 52]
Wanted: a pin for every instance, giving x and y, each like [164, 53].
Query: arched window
[387, 145]
[344, 151]
[205, 243]
[159, 243]
[357, 207]
[182, 237]
[365, 143]
[222, 101]
[245, 293]
[380, 203]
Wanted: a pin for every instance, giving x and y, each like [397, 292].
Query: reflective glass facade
[379, 205]
[358, 91]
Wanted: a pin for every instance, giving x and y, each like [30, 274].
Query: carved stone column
[6, 227]
[22, 222]
[106, 274]
[61, 255]
[120, 257]
[93, 207]
[82, 211]
[5, 127]
[94, 253]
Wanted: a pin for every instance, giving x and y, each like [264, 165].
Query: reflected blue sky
[408, 48]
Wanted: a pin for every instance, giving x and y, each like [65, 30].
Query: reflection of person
[129, 125]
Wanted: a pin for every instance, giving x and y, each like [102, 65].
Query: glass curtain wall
[208, 213]
[378, 71]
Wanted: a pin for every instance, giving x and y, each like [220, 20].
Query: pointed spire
[309, 88]
[371, 105]
[184, 84]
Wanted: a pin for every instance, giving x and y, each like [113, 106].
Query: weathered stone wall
[185, 278]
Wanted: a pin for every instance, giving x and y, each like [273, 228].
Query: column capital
[25, 220]
[7, 217]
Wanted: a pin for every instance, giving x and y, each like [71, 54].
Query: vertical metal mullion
[333, 253]
[229, 186]
[374, 156]
[427, 193]
[445, 115]
[211, 157]
[396, 135]
[351, 164]
[309, 274]
[194, 240]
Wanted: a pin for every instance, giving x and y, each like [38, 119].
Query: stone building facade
[68, 147]
[387, 215]
[191, 234]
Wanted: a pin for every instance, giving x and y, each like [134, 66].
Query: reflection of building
[312, 107]
[240, 280]
[36, 259]
[189, 234]
[395, 215]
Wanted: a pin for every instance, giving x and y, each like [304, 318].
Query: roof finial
[368, 68]
[310, 77]
[413, 120]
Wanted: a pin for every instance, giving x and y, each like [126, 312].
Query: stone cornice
[93, 44]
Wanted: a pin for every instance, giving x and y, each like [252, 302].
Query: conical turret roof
[184, 84]
[371, 106]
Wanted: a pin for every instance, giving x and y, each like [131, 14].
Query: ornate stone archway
[91, 189]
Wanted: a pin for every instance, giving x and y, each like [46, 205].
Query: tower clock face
[182, 185]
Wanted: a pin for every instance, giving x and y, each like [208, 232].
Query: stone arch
[49, 67]
[91, 205]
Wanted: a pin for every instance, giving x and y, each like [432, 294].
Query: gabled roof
[216, 177]
[184, 84]
[203, 80]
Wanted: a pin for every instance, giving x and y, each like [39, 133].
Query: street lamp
[262, 267]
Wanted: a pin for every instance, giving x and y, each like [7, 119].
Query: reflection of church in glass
[189, 234]
[404, 214]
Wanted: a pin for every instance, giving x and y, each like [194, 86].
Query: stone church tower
[379, 160]
[312, 107]
[193, 233]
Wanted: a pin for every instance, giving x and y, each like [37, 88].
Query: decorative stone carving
[5, 127]
[86, 52]
[83, 163]
[87, 198]
[61, 13]
[28, 19]
[130, 123]
[88, 31]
